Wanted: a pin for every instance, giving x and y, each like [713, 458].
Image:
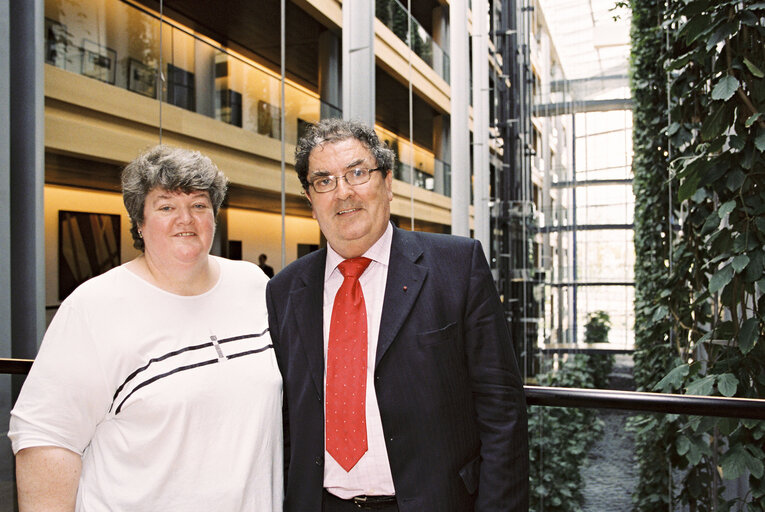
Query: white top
[371, 475]
[174, 402]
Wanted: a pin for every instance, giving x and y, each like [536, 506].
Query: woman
[156, 386]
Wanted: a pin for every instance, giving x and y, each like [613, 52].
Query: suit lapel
[307, 307]
[405, 280]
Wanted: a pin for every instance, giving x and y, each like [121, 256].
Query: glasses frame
[344, 176]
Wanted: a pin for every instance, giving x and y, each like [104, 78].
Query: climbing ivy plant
[710, 309]
[654, 354]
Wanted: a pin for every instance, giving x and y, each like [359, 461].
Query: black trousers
[331, 503]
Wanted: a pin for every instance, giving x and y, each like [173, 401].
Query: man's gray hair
[172, 169]
[328, 131]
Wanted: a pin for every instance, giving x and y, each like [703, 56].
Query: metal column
[359, 61]
[460, 130]
[27, 153]
[481, 124]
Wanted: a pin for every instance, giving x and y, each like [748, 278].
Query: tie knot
[354, 267]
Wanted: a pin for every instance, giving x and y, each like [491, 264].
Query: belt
[364, 502]
[372, 501]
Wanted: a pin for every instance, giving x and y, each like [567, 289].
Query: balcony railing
[439, 181]
[394, 15]
[749, 408]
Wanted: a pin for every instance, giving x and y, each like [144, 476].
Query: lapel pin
[404, 288]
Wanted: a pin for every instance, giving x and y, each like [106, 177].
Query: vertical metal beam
[5, 186]
[574, 289]
[282, 121]
[329, 74]
[460, 130]
[481, 124]
[6, 458]
[27, 153]
[359, 61]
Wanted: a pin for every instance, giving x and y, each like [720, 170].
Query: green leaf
[735, 179]
[736, 461]
[753, 69]
[688, 187]
[703, 386]
[748, 334]
[695, 27]
[726, 208]
[727, 384]
[722, 33]
[752, 119]
[715, 124]
[759, 142]
[740, 262]
[682, 445]
[704, 338]
[672, 129]
[725, 88]
[673, 380]
[720, 279]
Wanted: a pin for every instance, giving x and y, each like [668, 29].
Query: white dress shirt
[371, 475]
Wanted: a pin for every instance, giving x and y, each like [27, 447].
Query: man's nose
[344, 189]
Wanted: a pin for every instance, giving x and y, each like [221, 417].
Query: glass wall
[120, 44]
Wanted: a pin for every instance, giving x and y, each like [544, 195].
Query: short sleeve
[65, 395]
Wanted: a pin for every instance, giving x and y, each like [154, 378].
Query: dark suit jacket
[447, 382]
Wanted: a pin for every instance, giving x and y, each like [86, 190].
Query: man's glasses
[353, 177]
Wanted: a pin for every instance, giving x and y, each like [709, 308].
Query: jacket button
[319, 461]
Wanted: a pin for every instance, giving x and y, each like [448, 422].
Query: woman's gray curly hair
[173, 169]
[336, 130]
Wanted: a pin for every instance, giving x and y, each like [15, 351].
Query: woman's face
[178, 228]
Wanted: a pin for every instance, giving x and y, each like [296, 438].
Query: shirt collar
[379, 252]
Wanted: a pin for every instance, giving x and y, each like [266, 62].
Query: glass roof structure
[591, 36]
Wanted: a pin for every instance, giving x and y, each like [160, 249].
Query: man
[265, 267]
[424, 401]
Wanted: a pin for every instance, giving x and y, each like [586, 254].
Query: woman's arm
[47, 478]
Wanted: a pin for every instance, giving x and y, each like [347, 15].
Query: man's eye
[324, 181]
[357, 173]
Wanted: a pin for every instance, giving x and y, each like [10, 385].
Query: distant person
[402, 339]
[156, 385]
[267, 269]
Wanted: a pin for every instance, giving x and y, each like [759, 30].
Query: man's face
[352, 218]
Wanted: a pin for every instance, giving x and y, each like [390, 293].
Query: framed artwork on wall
[269, 120]
[56, 43]
[181, 88]
[229, 107]
[142, 78]
[88, 245]
[98, 62]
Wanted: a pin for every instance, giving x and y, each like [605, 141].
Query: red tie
[346, 427]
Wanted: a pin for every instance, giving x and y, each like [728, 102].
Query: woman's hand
[47, 478]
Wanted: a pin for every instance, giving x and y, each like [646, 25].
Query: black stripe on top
[187, 367]
[175, 353]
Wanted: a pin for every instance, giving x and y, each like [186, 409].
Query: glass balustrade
[394, 15]
[121, 45]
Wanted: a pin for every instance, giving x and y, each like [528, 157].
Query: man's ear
[310, 201]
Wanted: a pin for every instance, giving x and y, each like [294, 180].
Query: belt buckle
[359, 501]
[371, 502]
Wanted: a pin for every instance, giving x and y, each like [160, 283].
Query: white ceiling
[589, 42]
